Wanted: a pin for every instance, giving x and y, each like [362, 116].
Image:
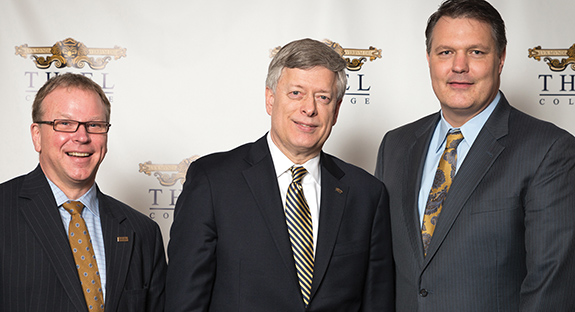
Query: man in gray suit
[485, 223]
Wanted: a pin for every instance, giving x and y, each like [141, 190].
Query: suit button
[423, 292]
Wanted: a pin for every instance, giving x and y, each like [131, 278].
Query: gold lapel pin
[122, 239]
[337, 189]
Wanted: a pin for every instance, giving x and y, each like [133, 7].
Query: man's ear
[270, 98]
[36, 137]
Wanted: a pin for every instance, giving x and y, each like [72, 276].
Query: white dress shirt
[311, 182]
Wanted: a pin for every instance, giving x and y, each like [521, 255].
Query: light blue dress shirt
[470, 131]
[91, 215]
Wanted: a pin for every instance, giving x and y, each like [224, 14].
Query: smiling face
[465, 67]
[70, 160]
[303, 110]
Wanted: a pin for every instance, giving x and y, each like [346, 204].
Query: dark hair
[474, 9]
[305, 54]
[68, 80]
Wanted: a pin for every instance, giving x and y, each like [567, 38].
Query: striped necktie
[441, 184]
[298, 218]
[81, 245]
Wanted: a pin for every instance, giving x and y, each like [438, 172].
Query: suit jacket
[230, 250]
[505, 239]
[37, 268]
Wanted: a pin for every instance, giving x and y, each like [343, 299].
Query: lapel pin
[122, 239]
[337, 189]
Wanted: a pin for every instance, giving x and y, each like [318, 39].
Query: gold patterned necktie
[81, 245]
[441, 184]
[298, 218]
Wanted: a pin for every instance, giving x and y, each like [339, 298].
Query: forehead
[462, 30]
[73, 101]
[317, 77]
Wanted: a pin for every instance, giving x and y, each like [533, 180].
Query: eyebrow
[472, 47]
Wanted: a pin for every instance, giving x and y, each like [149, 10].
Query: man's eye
[295, 92]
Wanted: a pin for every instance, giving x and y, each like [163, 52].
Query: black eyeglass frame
[79, 123]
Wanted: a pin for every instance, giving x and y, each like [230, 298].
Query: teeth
[78, 154]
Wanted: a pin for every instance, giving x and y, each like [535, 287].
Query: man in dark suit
[64, 245]
[493, 229]
[235, 245]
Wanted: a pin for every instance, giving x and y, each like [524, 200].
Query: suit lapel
[333, 198]
[263, 184]
[118, 244]
[40, 211]
[478, 162]
[415, 161]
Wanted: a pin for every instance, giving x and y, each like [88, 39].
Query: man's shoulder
[352, 172]
[430, 119]
[234, 154]
[526, 124]
[233, 159]
[14, 185]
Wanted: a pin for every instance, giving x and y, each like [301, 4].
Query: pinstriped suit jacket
[37, 269]
[505, 239]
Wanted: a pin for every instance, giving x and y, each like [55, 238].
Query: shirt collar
[90, 199]
[282, 163]
[471, 128]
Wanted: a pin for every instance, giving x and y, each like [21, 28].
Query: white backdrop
[193, 78]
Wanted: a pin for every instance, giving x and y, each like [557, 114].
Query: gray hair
[305, 54]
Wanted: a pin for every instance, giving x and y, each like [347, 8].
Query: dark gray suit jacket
[230, 250]
[505, 239]
[37, 269]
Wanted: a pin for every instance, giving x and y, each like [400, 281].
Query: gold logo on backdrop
[70, 53]
[554, 63]
[165, 178]
[352, 64]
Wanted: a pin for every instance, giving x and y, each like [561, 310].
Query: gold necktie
[441, 183]
[300, 230]
[81, 245]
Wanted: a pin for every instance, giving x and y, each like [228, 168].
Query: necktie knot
[453, 139]
[297, 173]
[74, 207]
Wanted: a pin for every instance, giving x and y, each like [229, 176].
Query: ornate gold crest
[555, 64]
[168, 179]
[70, 53]
[352, 64]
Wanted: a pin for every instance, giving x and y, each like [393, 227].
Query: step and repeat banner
[187, 78]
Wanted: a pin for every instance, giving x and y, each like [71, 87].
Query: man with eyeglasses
[64, 245]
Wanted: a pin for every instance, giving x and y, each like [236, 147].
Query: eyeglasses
[71, 126]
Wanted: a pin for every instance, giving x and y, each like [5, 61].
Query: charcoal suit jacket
[37, 268]
[230, 251]
[505, 238]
